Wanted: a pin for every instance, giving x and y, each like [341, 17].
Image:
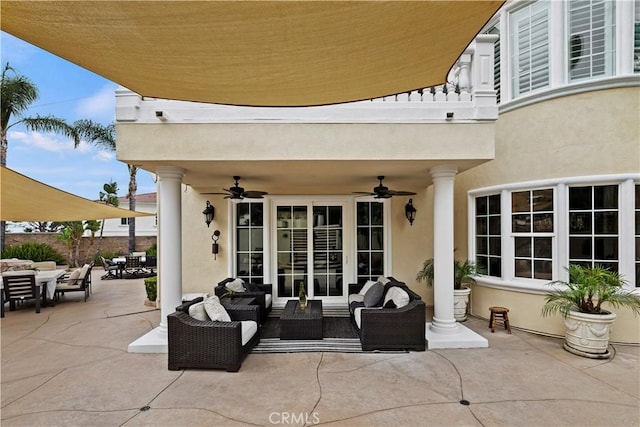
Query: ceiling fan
[382, 192]
[237, 192]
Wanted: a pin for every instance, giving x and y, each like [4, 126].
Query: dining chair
[21, 286]
[79, 281]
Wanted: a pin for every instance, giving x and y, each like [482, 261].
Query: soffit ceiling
[256, 53]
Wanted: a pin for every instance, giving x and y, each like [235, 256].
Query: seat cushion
[399, 297]
[197, 311]
[267, 300]
[215, 310]
[249, 329]
[373, 295]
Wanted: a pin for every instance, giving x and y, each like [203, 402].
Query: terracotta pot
[588, 334]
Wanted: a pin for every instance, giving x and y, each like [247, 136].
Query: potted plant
[463, 272]
[151, 286]
[580, 301]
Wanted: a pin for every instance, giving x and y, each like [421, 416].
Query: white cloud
[100, 107]
[103, 156]
[47, 142]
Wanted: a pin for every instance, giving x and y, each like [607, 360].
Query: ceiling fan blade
[367, 193]
[254, 194]
[222, 194]
[400, 193]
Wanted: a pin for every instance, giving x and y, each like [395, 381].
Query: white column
[443, 319]
[169, 241]
[444, 331]
[169, 258]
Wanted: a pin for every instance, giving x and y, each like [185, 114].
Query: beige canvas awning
[258, 53]
[25, 199]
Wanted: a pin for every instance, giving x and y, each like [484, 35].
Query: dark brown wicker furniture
[206, 344]
[391, 328]
[301, 324]
[260, 295]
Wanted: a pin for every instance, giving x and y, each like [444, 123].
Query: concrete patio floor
[69, 366]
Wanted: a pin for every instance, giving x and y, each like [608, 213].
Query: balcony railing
[468, 96]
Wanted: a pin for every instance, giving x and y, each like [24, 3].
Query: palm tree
[105, 136]
[17, 93]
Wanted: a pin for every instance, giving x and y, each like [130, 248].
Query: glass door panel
[291, 247]
[327, 251]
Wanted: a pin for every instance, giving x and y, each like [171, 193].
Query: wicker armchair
[263, 296]
[200, 344]
[391, 328]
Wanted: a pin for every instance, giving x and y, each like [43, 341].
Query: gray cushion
[373, 295]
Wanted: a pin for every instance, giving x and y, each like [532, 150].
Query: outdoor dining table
[48, 278]
[122, 261]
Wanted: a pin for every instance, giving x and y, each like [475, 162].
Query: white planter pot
[460, 303]
[588, 334]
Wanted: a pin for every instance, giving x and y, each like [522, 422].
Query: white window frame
[609, 28]
[626, 218]
[529, 12]
[533, 234]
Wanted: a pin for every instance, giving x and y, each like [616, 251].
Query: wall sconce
[208, 212]
[215, 248]
[410, 211]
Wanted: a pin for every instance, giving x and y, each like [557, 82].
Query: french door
[309, 249]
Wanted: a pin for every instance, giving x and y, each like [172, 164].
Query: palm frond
[96, 133]
[51, 124]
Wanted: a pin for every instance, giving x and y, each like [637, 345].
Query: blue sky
[70, 92]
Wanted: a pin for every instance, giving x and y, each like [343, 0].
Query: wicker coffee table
[301, 324]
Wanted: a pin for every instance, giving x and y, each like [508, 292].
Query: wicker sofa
[262, 294]
[202, 344]
[383, 328]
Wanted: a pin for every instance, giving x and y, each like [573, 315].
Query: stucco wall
[592, 133]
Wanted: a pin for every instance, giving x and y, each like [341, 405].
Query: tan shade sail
[258, 53]
[25, 199]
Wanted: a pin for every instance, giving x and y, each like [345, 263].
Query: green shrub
[151, 286]
[153, 250]
[35, 252]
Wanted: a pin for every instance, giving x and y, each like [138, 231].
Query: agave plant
[587, 289]
[463, 272]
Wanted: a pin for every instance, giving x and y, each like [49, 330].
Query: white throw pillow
[215, 310]
[198, 312]
[399, 297]
[383, 280]
[236, 285]
[73, 277]
[83, 271]
[365, 288]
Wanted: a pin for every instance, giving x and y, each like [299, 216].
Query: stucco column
[443, 319]
[169, 241]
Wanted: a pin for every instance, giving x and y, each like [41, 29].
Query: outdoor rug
[326, 345]
[339, 334]
[340, 337]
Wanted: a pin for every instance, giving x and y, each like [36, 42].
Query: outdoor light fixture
[449, 115]
[410, 211]
[209, 212]
[215, 248]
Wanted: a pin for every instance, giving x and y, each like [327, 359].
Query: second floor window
[530, 48]
[591, 26]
